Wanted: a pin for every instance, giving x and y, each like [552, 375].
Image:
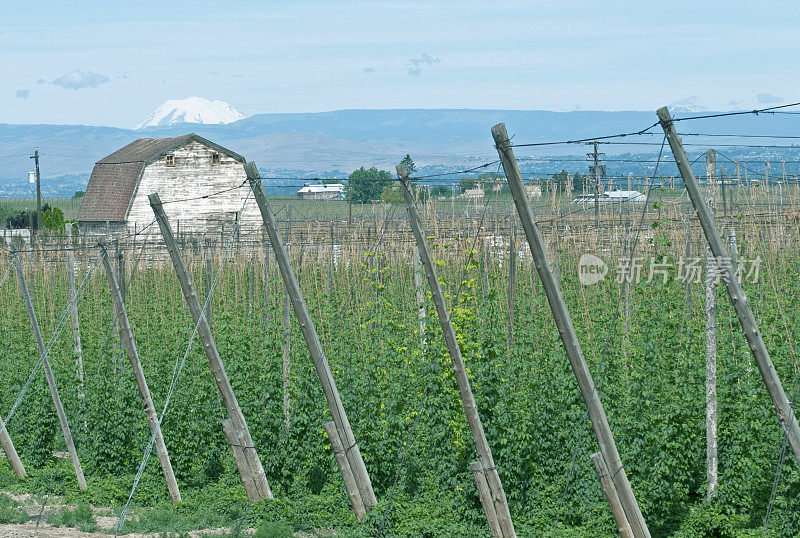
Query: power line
[737, 113]
[739, 135]
[590, 139]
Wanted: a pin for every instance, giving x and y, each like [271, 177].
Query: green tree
[488, 181]
[53, 218]
[442, 190]
[409, 164]
[391, 193]
[366, 185]
[467, 182]
[564, 184]
[79, 194]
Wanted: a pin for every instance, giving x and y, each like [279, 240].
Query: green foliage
[81, 517]
[467, 182]
[366, 185]
[53, 218]
[272, 529]
[409, 165]
[564, 182]
[532, 412]
[79, 194]
[10, 511]
[441, 191]
[710, 521]
[392, 193]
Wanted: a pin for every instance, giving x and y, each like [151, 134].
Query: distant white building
[477, 192]
[611, 197]
[324, 191]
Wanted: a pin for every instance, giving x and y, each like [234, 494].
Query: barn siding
[193, 176]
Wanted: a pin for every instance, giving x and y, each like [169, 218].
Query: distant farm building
[611, 197]
[324, 191]
[201, 184]
[477, 192]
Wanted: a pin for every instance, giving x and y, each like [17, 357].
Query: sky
[111, 63]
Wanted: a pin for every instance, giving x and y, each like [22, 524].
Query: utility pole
[741, 304]
[35, 158]
[596, 169]
[569, 338]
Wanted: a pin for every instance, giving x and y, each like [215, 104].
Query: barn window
[170, 160]
[215, 158]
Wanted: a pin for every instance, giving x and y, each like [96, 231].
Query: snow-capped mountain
[191, 110]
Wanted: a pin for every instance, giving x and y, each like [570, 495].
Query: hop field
[397, 384]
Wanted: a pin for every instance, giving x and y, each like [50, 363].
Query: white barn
[323, 191]
[201, 184]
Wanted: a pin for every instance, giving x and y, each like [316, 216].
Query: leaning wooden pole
[311, 337]
[464, 389]
[11, 453]
[48, 372]
[568, 336]
[130, 345]
[252, 474]
[741, 304]
[623, 527]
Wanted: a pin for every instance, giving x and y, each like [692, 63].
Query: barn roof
[146, 150]
[114, 178]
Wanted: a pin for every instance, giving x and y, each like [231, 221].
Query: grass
[11, 512]
[69, 206]
[80, 517]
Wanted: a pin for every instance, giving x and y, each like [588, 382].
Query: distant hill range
[334, 143]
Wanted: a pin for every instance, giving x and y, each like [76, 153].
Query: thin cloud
[369, 69]
[768, 98]
[23, 94]
[415, 64]
[78, 80]
[41, 81]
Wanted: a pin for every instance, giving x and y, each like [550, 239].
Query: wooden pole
[612, 498]
[48, 372]
[417, 281]
[711, 341]
[209, 278]
[347, 473]
[741, 304]
[287, 336]
[242, 438]
[563, 321]
[734, 246]
[464, 389]
[11, 453]
[312, 340]
[512, 276]
[76, 328]
[485, 496]
[138, 373]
